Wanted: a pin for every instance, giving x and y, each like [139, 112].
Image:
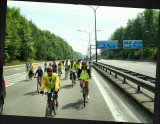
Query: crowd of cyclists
[81, 70]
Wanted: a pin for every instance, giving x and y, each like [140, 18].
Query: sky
[65, 20]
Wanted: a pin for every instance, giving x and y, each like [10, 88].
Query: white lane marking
[116, 113]
[14, 74]
[7, 85]
[12, 79]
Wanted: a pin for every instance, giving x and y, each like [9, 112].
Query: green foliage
[77, 55]
[24, 40]
[144, 27]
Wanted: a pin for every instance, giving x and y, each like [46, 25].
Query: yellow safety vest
[59, 66]
[54, 83]
[73, 68]
[77, 65]
[84, 74]
[31, 66]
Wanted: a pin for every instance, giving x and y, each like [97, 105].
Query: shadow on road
[77, 105]
[69, 86]
[31, 93]
[63, 79]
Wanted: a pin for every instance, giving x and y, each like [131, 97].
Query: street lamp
[89, 33]
[95, 29]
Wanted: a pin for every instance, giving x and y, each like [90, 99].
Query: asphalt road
[105, 104]
[146, 68]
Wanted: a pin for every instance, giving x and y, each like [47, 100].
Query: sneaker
[88, 97]
[81, 89]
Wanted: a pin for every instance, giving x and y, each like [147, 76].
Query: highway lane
[146, 68]
[104, 104]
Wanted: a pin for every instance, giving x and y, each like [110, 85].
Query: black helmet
[49, 69]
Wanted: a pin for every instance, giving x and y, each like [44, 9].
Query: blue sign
[132, 44]
[107, 44]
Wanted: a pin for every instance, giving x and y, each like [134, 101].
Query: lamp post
[94, 9]
[89, 33]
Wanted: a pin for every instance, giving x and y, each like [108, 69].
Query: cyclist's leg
[49, 98]
[87, 86]
[70, 76]
[81, 83]
[57, 101]
[74, 75]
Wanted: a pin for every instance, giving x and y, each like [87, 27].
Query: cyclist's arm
[43, 84]
[89, 72]
[79, 72]
[56, 83]
[69, 69]
[36, 73]
[42, 73]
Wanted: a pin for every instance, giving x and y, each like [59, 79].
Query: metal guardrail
[140, 83]
[138, 75]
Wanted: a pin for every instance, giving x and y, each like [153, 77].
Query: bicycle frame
[59, 73]
[72, 78]
[66, 74]
[38, 83]
[84, 92]
[50, 103]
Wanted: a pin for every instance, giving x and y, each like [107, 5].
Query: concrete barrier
[140, 99]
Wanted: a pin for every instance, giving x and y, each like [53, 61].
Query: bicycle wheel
[72, 81]
[84, 95]
[50, 110]
[54, 107]
[65, 74]
[37, 87]
[46, 113]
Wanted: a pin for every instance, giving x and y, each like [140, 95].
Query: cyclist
[31, 70]
[45, 65]
[62, 64]
[77, 66]
[72, 68]
[51, 83]
[54, 66]
[50, 64]
[83, 73]
[60, 67]
[67, 61]
[40, 73]
[27, 67]
[66, 67]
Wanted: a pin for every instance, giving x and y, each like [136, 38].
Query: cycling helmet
[49, 69]
[84, 62]
[50, 63]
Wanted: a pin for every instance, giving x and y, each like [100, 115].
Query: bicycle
[66, 74]
[38, 83]
[73, 81]
[51, 102]
[84, 90]
[30, 74]
[59, 73]
[27, 76]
